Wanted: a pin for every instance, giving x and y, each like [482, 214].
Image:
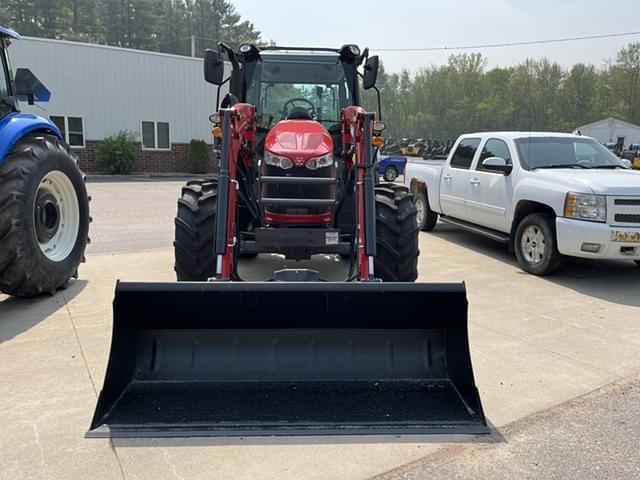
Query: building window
[71, 128]
[155, 136]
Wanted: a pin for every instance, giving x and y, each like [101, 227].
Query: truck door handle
[447, 177]
[474, 181]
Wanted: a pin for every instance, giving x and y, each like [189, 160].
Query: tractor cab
[299, 95]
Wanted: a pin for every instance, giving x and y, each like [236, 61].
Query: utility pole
[193, 46]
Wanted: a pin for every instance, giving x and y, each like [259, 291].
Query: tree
[623, 80]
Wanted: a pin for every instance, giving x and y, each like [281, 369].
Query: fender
[15, 126]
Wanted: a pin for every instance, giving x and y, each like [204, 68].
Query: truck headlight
[586, 207]
[320, 162]
[277, 160]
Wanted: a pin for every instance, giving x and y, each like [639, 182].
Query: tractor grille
[627, 218]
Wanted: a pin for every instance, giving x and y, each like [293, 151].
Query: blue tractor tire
[44, 216]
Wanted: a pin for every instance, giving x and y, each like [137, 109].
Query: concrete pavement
[536, 343]
[595, 436]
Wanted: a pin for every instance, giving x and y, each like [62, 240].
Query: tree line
[441, 102]
[437, 102]
[157, 25]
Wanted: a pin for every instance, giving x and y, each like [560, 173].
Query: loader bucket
[287, 358]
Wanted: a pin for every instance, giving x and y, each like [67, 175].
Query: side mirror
[29, 88]
[213, 67]
[370, 72]
[379, 127]
[497, 164]
[626, 163]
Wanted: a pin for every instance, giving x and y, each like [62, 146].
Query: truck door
[455, 179]
[489, 191]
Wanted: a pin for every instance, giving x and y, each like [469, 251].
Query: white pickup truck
[547, 195]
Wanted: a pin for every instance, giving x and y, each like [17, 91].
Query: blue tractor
[44, 208]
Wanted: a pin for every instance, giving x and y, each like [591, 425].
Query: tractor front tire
[44, 217]
[397, 235]
[195, 260]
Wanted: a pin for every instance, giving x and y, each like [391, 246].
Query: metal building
[99, 90]
[612, 131]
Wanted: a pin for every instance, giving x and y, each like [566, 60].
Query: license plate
[625, 237]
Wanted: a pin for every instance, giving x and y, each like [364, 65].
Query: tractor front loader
[293, 355]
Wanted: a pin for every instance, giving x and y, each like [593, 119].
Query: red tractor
[209, 355]
[299, 150]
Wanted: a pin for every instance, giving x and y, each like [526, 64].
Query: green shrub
[198, 156]
[118, 154]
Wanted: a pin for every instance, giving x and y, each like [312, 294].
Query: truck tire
[44, 217]
[425, 217]
[195, 222]
[397, 235]
[536, 246]
[390, 173]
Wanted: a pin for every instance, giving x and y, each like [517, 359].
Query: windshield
[558, 152]
[4, 84]
[315, 84]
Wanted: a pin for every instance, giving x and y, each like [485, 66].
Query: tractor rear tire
[195, 222]
[397, 235]
[44, 217]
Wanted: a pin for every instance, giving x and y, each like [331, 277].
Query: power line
[511, 44]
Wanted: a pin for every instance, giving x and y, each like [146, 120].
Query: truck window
[494, 148]
[463, 156]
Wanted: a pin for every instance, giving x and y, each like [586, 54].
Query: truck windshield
[5, 105]
[559, 152]
[314, 83]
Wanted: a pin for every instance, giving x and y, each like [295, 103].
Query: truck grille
[623, 211]
[627, 201]
[627, 218]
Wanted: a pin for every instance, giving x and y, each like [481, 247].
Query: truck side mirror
[497, 164]
[370, 72]
[213, 67]
[29, 88]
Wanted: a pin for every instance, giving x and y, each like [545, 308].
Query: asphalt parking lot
[557, 363]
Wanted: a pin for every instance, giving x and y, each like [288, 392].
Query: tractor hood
[299, 140]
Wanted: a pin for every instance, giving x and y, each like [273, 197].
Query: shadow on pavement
[17, 315]
[614, 281]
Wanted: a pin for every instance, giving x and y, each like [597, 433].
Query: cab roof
[7, 32]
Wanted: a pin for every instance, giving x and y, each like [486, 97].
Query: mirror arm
[218, 93]
[379, 102]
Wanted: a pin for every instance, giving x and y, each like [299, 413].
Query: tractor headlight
[320, 162]
[277, 161]
[586, 207]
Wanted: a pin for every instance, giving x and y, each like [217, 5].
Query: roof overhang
[7, 32]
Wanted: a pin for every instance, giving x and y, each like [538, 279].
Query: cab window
[493, 148]
[4, 82]
[463, 156]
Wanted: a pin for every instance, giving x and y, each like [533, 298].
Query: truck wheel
[536, 246]
[397, 235]
[425, 217]
[390, 173]
[195, 260]
[44, 217]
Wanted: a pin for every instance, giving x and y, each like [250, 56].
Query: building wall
[115, 89]
[609, 130]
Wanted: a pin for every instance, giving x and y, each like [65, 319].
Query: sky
[405, 24]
